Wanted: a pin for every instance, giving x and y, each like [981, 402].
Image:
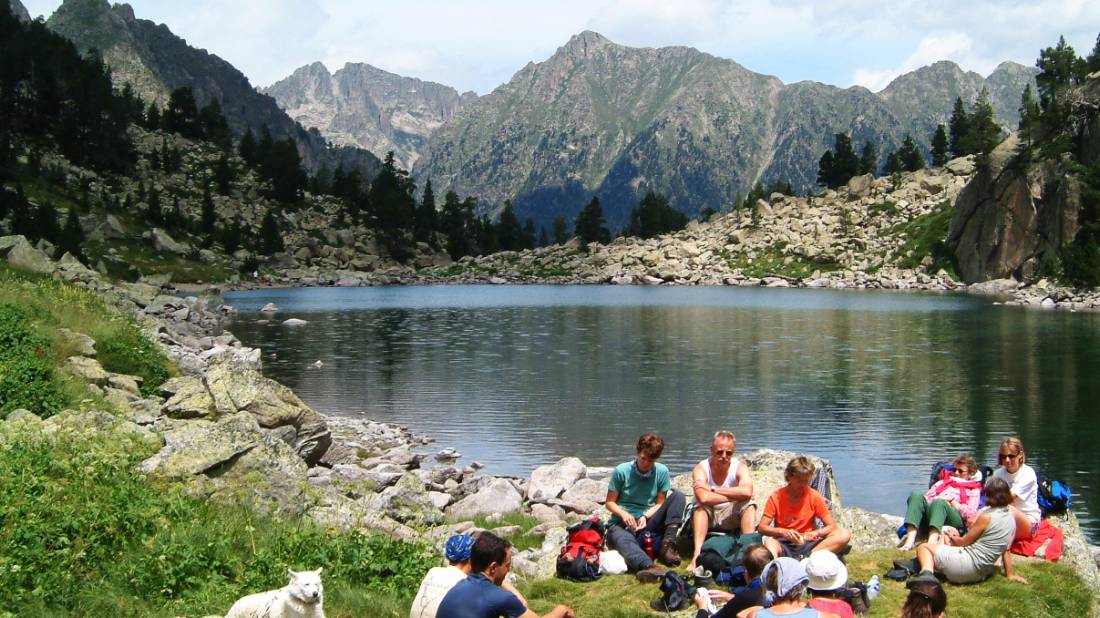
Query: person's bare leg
[835, 541]
[748, 520]
[926, 556]
[933, 536]
[700, 524]
[773, 546]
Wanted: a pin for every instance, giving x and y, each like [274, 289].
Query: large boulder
[499, 496]
[86, 369]
[408, 502]
[188, 397]
[548, 482]
[235, 388]
[20, 254]
[164, 243]
[1007, 215]
[585, 496]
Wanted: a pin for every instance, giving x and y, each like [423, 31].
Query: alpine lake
[884, 384]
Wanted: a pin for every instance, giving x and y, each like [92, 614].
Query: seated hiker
[925, 600]
[480, 595]
[439, 580]
[641, 499]
[787, 580]
[827, 576]
[723, 493]
[788, 521]
[1024, 485]
[972, 558]
[756, 558]
[952, 501]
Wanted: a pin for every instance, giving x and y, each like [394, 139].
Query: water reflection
[884, 384]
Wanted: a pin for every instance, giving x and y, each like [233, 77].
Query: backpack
[676, 594]
[724, 552]
[1054, 497]
[579, 559]
[855, 594]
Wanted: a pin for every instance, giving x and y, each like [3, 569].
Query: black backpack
[676, 594]
[1054, 497]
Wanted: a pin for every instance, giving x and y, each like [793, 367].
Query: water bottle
[647, 543]
[872, 588]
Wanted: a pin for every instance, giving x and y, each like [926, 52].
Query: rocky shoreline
[227, 433]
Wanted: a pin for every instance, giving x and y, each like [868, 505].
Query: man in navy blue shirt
[480, 594]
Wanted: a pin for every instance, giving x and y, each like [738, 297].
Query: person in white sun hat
[827, 575]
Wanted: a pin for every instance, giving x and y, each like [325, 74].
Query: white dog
[301, 598]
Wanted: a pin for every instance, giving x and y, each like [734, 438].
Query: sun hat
[825, 571]
[458, 547]
[790, 574]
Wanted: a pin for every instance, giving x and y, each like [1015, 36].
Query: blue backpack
[1054, 497]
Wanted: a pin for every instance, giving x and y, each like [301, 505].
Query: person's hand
[630, 522]
[702, 601]
[720, 595]
[641, 522]
[1018, 578]
[792, 536]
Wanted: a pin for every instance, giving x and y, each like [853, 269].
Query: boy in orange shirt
[788, 521]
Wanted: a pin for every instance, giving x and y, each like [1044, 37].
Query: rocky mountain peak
[125, 11]
[585, 41]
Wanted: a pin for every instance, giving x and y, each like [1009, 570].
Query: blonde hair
[725, 434]
[1015, 444]
[799, 466]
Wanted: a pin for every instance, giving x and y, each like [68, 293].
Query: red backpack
[579, 560]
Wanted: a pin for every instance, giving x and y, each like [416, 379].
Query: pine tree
[1092, 62]
[984, 133]
[208, 218]
[213, 124]
[271, 239]
[845, 162]
[247, 147]
[231, 236]
[154, 213]
[893, 164]
[654, 216]
[71, 238]
[939, 146]
[910, 156]
[182, 114]
[1030, 116]
[509, 234]
[590, 225]
[455, 223]
[1060, 69]
[868, 160]
[223, 174]
[424, 229]
[394, 207]
[152, 117]
[44, 223]
[528, 234]
[825, 173]
[561, 232]
[958, 127]
[21, 221]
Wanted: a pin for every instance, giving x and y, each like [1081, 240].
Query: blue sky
[478, 44]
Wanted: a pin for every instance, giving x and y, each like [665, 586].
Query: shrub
[26, 366]
[125, 349]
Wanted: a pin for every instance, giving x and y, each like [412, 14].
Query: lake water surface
[883, 384]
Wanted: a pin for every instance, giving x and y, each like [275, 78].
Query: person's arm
[975, 531]
[507, 585]
[704, 493]
[1007, 559]
[560, 611]
[743, 489]
[612, 505]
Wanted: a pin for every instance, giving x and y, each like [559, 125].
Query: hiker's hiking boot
[652, 575]
[668, 554]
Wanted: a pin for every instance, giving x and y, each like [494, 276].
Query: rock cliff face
[155, 62]
[1013, 212]
[600, 118]
[369, 108]
[19, 10]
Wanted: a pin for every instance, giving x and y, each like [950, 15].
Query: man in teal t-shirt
[640, 498]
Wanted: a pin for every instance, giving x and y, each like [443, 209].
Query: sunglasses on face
[1005, 456]
[726, 453]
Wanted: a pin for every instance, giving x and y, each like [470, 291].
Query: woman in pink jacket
[952, 502]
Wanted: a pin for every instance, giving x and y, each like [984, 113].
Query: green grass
[82, 535]
[50, 305]
[1053, 590]
[133, 258]
[774, 263]
[926, 236]
[523, 540]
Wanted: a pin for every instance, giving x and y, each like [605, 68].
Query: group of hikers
[798, 568]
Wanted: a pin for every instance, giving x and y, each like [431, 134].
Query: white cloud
[954, 46]
[659, 22]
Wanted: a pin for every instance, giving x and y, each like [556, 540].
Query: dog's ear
[319, 569]
[293, 576]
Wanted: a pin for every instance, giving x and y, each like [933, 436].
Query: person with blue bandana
[439, 580]
[642, 502]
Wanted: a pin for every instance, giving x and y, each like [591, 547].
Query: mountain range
[596, 118]
[154, 61]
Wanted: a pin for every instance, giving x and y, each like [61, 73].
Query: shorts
[958, 567]
[798, 552]
[726, 516]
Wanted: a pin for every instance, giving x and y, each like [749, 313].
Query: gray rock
[294, 322]
[994, 287]
[586, 491]
[547, 514]
[439, 499]
[269, 308]
[409, 502]
[21, 414]
[20, 254]
[130, 384]
[76, 343]
[499, 496]
[164, 243]
[963, 166]
[189, 398]
[86, 369]
[548, 482]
